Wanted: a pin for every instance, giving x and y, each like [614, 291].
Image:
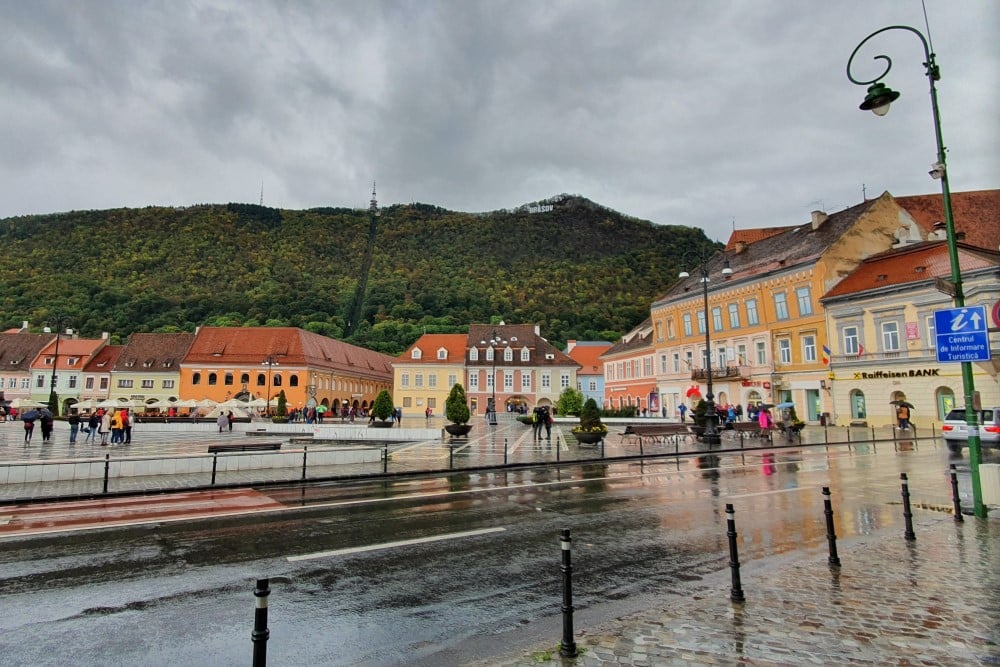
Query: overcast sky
[690, 112]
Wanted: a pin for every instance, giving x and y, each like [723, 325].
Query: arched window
[858, 409]
[244, 378]
[196, 378]
[261, 379]
[229, 379]
[276, 381]
[293, 381]
[213, 378]
[508, 354]
[473, 354]
[944, 397]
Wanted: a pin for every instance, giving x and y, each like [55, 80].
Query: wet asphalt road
[181, 593]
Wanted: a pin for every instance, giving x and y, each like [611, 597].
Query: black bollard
[567, 647]
[385, 460]
[215, 463]
[260, 633]
[907, 514]
[831, 536]
[954, 495]
[505, 451]
[107, 470]
[736, 594]
[557, 449]
[305, 449]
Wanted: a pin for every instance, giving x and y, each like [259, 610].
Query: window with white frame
[687, 324]
[508, 354]
[125, 384]
[25, 383]
[416, 353]
[564, 380]
[546, 381]
[147, 384]
[508, 381]
[741, 354]
[525, 381]
[592, 385]
[931, 331]
[490, 380]
[752, 317]
[850, 337]
[677, 362]
[785, 350]
[760, 347]
[473, 381]
[663, 363]
[890, 336]
[490, 353]
[40, 382]
[701, 321]
[167, 384]
[473, 354]
[432, 381]
[809, 349]
[525, 354]
[72, 381]
[689, 359]
[442, 354]
[734, 316]
[418, 380]
[716, 318]
[404, 380]
[670, 328]
[804, 298]
[780, 306]
[452, 379]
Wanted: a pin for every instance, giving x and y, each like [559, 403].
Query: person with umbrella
[29, 424]
[47, 423]
[903, 415]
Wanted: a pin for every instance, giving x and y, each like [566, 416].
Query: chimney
[818, 218]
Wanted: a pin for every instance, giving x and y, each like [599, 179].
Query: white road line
[393, 545]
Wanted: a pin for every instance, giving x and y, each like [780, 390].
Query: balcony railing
[717, 373]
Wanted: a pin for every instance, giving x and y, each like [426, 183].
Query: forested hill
[579, 270]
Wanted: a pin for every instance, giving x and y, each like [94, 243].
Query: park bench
[657, 433]
[749, 430]
[245, 447]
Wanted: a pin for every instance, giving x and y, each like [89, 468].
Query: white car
[955, 431]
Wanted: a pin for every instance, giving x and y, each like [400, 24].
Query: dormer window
[489, 354]
[72, 361]
[442, 354]
[49, 361]
[508, 354]
[525, 354]
[417, 353]
[473, 354]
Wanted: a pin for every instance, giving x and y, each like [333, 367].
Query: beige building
[425, 373]
[881, 319]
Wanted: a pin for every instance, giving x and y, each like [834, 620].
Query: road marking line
[393, 545]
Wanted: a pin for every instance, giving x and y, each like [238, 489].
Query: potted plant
[590, 429]
[281, 412]
[456, 410]
[382, 409]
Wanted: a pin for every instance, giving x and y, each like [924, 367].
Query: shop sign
[912, 373]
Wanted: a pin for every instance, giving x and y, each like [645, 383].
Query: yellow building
[766, 328]
[425, 373]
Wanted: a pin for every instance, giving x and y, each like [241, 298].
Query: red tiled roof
[104, 360]
[296, 347]
[749, 236]
[81, 348]
[976, 213]
[587, 354]
[919, 262]
[155, 351]
[429, 345]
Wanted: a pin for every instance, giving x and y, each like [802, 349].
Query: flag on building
[861, 350]
[826, 356]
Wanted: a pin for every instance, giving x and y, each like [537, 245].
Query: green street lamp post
[495, 341]
[711, 435]
[53, 394]
[877, 100]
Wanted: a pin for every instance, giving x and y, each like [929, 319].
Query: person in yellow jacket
[117, 428]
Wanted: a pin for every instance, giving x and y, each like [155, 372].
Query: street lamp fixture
[270, 361]
[877, 100]
[711, 435]
[495, 341]
[53, 396]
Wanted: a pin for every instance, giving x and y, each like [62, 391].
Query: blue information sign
[962, 334]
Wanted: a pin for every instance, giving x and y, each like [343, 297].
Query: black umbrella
[765, 406]
[30, 414]
[904, 404]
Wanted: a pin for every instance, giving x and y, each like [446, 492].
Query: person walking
[683, 410]
[536, 423]
[29, 428]
[229, 420]
[221, 421]
[547, 423]
[903, 417]
[47, 423]
[74, 427]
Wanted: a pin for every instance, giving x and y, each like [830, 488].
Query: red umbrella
[693, 391]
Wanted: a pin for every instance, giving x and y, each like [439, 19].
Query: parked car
[955, 431]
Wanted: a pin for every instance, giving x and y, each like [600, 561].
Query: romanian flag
[826, 356]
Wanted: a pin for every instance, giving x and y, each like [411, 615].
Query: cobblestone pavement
[932, 601]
